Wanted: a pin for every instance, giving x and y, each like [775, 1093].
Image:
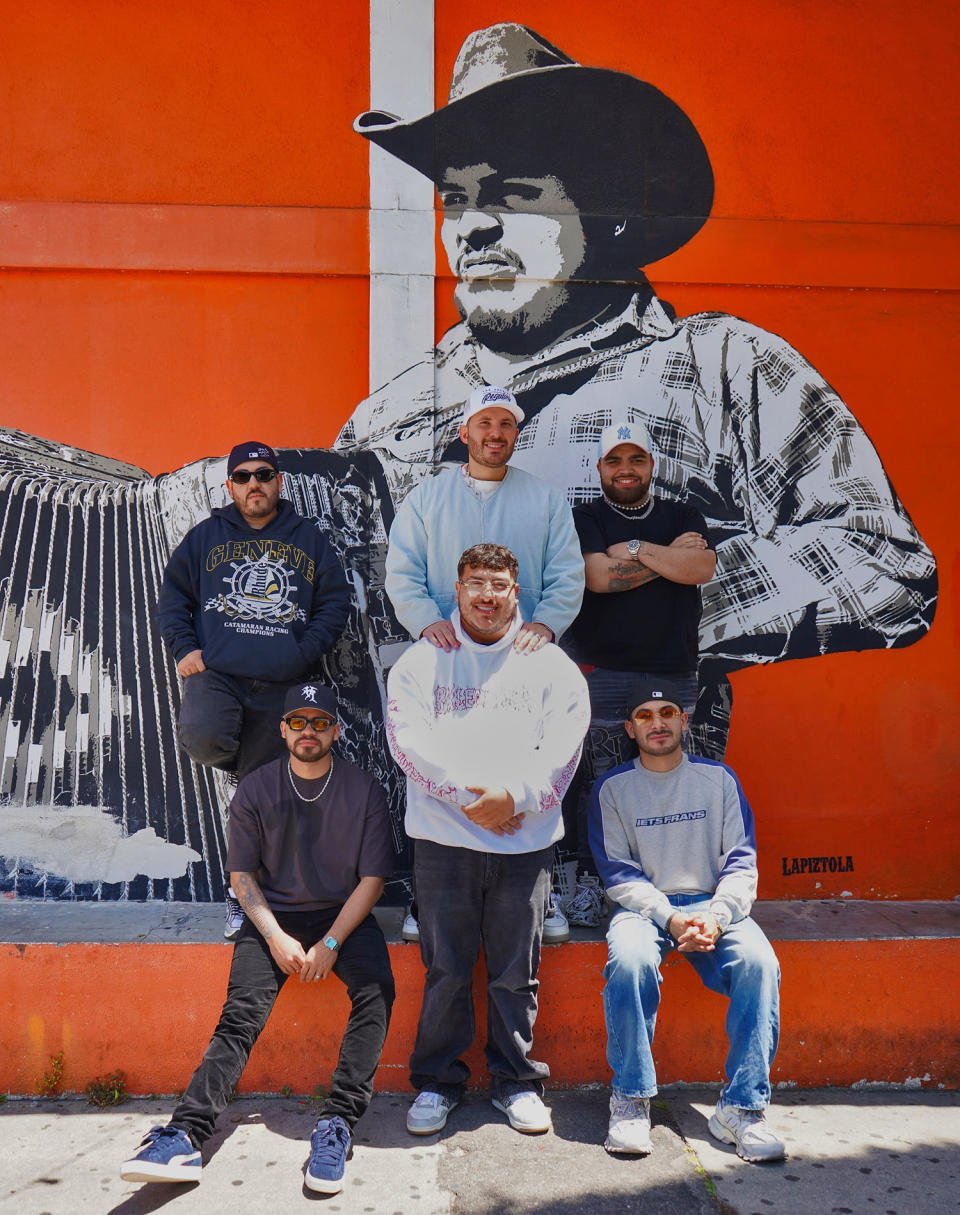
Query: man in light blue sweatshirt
[485, 501]
[673, 838]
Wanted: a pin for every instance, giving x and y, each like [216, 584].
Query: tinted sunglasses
[243, 475]
[320, 725]
[667, 713]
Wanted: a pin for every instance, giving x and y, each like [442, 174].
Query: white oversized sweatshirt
[484, 715]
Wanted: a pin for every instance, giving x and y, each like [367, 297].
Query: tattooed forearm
[625, 575]
[247, 890]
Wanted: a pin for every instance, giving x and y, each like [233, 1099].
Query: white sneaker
[629, 1130]
[411, 929]
[525, 1112]
[587, 905]
[747, 1130]
[428, 1114]
[235, 915]
[555, 926]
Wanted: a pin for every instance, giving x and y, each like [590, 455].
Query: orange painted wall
[108, 1006]
[835, 225]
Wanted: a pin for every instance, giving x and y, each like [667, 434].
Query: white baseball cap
[490, 397]
[622, 432]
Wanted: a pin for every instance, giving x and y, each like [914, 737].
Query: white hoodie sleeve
[411, 733]
[541, 779]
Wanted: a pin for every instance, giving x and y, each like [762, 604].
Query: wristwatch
[633, 548]
[331, 942]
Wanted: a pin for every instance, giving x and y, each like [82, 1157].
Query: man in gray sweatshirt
[673, 838]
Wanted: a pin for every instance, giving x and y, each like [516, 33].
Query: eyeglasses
[319, 725]
[243, 475]
[498, 586]
[667, 713]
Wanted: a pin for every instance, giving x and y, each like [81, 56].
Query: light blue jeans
[742, 967]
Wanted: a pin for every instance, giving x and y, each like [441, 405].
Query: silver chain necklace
[632, 512]
[323, 788]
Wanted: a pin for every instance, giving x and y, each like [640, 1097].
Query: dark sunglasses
[319, 725]
[243, 475]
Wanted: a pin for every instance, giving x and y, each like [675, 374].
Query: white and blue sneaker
[166, 1154]
[329, 1148]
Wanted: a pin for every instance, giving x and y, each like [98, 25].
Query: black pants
[231, 723]
[362, 964]
[468, 898]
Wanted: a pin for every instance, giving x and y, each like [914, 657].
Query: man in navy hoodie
[251, 599]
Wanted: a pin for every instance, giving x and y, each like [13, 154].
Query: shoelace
[328, 1145]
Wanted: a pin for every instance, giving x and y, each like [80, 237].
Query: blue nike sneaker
[329, 1148]
[166, 1154]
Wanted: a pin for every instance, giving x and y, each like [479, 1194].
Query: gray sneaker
[628, 1133]
[555, 926]
[411, 929]
[428, 1114]
[234, 915]
[747, 1130]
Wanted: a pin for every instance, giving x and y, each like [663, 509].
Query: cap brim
[619, 143]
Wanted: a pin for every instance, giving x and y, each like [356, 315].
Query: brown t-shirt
[309, 855]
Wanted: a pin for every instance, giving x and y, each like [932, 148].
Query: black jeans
[466, 898]
[363, 965]
[229, 722]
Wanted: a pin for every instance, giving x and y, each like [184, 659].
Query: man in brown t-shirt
[309, 851]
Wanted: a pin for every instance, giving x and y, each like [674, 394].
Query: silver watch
[633, 548]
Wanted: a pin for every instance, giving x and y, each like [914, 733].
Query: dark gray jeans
[468, 898]
[229, 722]
[362, 965]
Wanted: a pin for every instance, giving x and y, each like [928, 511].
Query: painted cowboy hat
[620, 146]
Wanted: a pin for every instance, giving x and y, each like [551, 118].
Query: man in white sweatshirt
[673, 838]
[489, 739]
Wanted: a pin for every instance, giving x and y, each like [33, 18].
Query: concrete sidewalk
[852, 1152]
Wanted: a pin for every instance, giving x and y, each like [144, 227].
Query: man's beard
[522, 329]
[634, 496]
[529, 327]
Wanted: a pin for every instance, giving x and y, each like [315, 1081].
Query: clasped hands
[694, 931]
[494, 810]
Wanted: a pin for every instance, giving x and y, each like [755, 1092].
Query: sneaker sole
[323, 1185]
[556, 938]
[523, 1128]
[626, 1151]
[412, 938]
[141, 1170]
[719, 1131]
[434, 1126]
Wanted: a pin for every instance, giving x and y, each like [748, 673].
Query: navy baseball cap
[252, 450]
[654, 689]
[310, 696]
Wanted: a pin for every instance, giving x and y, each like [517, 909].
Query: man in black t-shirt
[309, 851]
[645, 560]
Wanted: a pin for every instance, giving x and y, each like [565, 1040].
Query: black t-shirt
[654, 627]
[309, 855]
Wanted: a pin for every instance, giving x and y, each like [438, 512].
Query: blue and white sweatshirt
[444, 515]
[686, 831]
[484, 715]
[264, 603]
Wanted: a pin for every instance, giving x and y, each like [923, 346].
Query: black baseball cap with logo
[307, 695]
[252, 450]
[653, 689]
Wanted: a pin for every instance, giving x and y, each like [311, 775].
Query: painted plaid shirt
[815, 553]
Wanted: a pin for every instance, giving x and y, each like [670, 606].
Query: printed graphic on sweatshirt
[258, 590]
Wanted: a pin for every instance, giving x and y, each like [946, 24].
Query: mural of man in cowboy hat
[558, 181]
